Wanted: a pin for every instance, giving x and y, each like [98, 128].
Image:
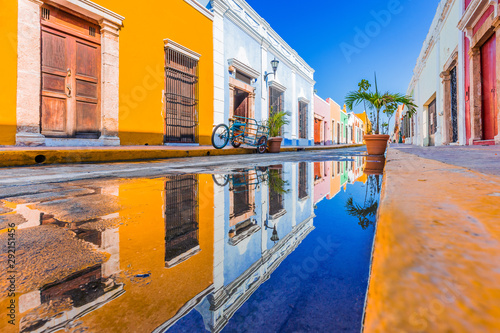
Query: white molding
[304, 100]
[92, 10]
[276, 85]
[196, 5]
[243, 68]
[170, 44]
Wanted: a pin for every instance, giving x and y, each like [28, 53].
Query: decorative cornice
[196, 5]
[170, 44]
[442, 13]
[304, 100]
[91, 10]
[474, 12]
[242, 68]
[276, 85]
[245, 17]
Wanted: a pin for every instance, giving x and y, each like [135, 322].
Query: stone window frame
[447, 129]
[29, 73]
[237, 66]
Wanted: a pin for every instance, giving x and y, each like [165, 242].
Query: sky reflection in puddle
[277, 248]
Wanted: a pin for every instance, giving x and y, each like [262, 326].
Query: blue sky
[324, 32]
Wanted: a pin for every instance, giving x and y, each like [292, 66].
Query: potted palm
[275, 123]
[385, 103]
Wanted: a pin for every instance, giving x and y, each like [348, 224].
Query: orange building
[130, 75]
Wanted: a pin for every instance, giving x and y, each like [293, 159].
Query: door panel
[54, 51]
[53, 83]
[87, 73]
[87, 118]
[56, 54]
[488, 71]
[54, 115]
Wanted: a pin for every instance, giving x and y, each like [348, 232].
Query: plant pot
[274, 144]
[374, 165]
[376, 144]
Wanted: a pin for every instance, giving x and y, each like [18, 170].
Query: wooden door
[488, 93]
[71, 66]
[317, 131]
[432, 123]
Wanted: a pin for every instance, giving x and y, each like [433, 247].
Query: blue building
[246, 84]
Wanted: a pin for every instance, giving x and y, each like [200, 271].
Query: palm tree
[380, 102]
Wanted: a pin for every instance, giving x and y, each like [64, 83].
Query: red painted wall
[467, 88]
[483, 19]
[467, 3]
[488, 70]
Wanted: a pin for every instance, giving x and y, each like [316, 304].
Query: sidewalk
[26, 156]
[436, 263]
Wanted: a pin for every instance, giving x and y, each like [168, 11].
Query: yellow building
[367, 124]
[130, 74]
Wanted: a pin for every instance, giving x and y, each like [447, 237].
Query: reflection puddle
[263, 248]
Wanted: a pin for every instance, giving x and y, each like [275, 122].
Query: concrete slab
[436, 264]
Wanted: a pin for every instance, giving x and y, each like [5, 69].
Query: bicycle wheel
[235, 144]
[220, 136]
[262, 145]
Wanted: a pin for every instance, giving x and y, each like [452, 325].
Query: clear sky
[326, 34]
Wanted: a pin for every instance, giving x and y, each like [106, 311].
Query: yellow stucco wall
[144, 306]
[8, 59]
[142, 62]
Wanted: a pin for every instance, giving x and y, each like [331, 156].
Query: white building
[244, 46]
[437, 84]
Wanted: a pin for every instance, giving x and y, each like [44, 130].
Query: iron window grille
[275, 102]
[302, 180]
[181, 97]
[181, 217]
[302, 120]
[276, 199]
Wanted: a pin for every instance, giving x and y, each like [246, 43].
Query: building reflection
[178, 244]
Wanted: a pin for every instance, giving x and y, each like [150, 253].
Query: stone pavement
[436, 262]
[484, 159]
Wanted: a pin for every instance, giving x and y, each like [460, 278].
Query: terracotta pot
[274, 144]
[376, 144]
[374, 165]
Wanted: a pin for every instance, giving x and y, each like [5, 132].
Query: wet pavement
[213, 244]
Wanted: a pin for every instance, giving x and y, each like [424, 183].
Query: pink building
[322, 177]
[322, 122]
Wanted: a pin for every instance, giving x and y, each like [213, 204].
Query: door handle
[68, 86]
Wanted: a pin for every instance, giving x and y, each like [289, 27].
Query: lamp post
[274, 64]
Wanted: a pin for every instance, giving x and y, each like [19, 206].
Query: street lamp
[274, 64]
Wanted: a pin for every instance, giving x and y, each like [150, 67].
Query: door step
[484, 142]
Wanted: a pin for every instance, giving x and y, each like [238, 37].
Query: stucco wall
[427, 82]
[322, 109]
[8, 58]
[142, 62]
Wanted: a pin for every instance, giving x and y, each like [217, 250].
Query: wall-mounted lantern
[274, 64]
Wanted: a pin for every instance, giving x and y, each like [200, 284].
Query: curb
[43, 156]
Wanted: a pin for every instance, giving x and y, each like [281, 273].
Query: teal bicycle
[240, 131]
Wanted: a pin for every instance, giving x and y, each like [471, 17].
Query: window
[181, 97]
[302, 180]
[276, 102]
[181, 219]
[276, 202]
[302, 120]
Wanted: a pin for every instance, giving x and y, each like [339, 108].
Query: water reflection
[140, 255]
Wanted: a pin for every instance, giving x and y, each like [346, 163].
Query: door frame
[28, 114]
